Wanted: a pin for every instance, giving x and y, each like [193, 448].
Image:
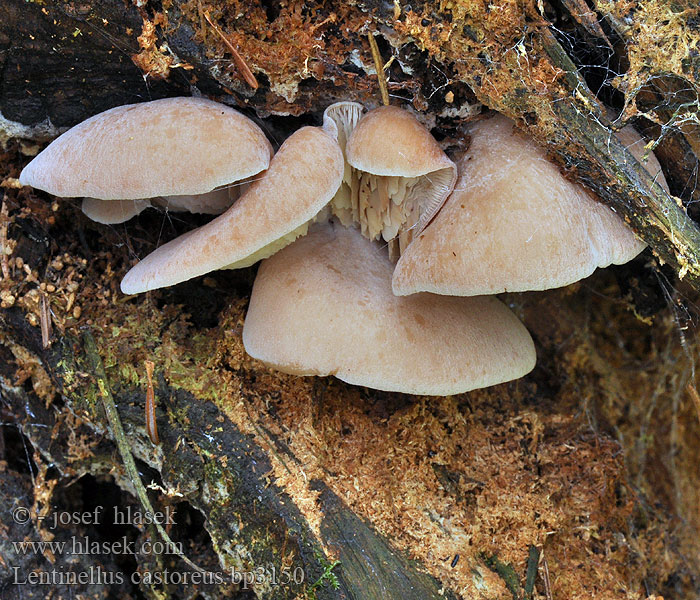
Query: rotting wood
[252, 524]
[117, 433]
[627, 187]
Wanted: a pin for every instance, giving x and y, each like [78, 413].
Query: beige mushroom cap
[110, 212]
[324, 306]
[301, 180]
[165, 147]
[513, 223]
[390, 141]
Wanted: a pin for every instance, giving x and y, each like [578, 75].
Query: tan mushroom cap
[514, 223]
[175, 146]
[301, 180]
[390, 141]
[110, 212]
[324, 306]
[210, 203]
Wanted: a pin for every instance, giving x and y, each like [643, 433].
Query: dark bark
[62, 62]
[250, 522]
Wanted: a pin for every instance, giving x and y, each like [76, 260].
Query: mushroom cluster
[331, 213]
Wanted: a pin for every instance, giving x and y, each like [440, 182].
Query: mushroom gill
[396, 176]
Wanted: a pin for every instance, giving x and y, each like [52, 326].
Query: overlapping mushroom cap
[301, 180]
[324, 306]
[177, 148]
[514, 223]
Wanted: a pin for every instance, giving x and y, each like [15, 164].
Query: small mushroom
[324, 306]
[278, 208]
[183, 152]
[514, 223]
[110, 212]
[396, 178]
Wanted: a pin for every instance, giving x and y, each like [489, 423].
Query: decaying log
[223, 473]
[577, 481]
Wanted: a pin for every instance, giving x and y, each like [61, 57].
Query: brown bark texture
[577, 481]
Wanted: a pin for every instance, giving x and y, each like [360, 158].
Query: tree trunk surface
[578, 481]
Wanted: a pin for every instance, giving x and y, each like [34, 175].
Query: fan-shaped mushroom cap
[301, 180]
[179, 147]
[165, 147]
[513, 223]
[109, 212]
[210, 203]
[324, 306]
